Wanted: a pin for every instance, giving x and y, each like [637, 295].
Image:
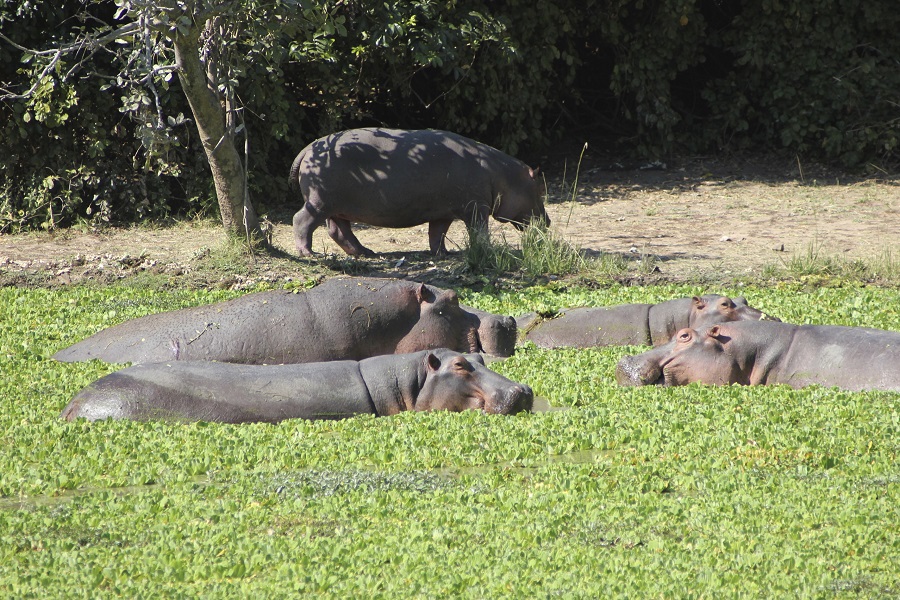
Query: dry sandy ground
[699, 219]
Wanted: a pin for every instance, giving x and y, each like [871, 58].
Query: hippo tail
[294, 176]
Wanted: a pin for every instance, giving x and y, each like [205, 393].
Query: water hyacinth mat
[693, 491]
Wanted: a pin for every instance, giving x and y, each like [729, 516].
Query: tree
[274, 71]
[206, 43]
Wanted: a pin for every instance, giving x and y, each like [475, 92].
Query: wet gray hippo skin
[765, 352]
[633, 324]
[341, 319]
[400, 178]
[229, 393]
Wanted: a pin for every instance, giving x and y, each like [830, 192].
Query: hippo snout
[544, 219]
[497, 335]
[541, 219]
[515, 399]
[635, 371]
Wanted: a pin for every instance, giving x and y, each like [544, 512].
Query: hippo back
[228, 393]
[852, 358]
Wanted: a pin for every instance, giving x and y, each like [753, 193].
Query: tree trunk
[238, 215]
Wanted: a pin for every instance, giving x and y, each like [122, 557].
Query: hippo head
[711, 309]
[690, 356]
[458, 382]
[444, 323]
[522, 202]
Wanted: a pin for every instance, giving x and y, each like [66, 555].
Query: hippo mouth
[472, 341]
[667, 374]
[666, 379]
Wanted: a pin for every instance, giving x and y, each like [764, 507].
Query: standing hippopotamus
[764, 352]
[400, 178]
[633, 324]
[383, 385]
[341, 319]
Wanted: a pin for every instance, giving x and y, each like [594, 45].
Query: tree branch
[57, 54]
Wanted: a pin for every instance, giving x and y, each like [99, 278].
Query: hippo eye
[684, 336]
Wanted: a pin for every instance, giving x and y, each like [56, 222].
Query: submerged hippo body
[229, 393]
[763, 352]
[400, 178]
[633, 324]
[341, 319]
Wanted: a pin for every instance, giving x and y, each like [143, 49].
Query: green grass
[541, 252]
[636, 492]
[816, 266]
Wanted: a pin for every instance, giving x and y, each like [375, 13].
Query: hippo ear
[715, 332]
[698, 302]
[533, 173]
[423, 294]
[475, 358]
[432, 362]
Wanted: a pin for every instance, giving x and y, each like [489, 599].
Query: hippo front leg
[341, 232]
[437, 233]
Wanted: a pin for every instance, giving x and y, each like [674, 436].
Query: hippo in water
[633, 324]
[341, 319]
[400, 178]
[764, 352]
[383, 385]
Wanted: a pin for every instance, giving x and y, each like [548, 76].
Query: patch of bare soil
[701, 220]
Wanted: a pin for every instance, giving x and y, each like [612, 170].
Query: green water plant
[642, 492]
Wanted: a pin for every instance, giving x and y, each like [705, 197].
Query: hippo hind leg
[341, 232]
[437, 233]
[305, 222]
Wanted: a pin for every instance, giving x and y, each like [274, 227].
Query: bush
[819, 79]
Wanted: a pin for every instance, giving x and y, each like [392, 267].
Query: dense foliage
[817, 78]
[640, 492]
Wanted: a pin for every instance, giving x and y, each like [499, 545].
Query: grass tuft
[815, 264]
[546, 252]
[483, 255]
[541, 251]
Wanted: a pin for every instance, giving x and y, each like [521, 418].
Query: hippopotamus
[341, 319]
[230, 393]
[768, 352]
[633, 324]
[401, 178]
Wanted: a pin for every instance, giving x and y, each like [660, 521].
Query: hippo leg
[341, 232]
[305, 222]
[437, 232]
